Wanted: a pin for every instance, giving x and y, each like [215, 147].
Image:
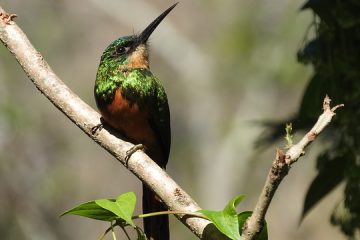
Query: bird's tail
[156, 228]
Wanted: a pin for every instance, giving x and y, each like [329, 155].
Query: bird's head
[131, 51]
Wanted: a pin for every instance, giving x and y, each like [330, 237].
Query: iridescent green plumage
[109, 76]
[138, 85]
[133, 101]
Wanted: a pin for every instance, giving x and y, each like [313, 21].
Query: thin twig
[140, 164]
[86, 118]
[280, 168]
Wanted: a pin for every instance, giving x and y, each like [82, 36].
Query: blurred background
[226, 66]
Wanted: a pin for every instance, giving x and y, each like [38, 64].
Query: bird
[134, 103]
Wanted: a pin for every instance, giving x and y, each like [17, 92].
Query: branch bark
[280, 168]
[81, 114]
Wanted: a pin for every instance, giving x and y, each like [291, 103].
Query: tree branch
[40, 73]
[280, 168]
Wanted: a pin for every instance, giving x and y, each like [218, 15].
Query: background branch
[85, 118]
[40, 73]
[280, 168]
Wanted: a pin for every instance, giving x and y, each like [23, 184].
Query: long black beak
[144, 35]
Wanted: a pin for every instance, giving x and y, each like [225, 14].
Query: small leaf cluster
[231, 223]
[119, 212]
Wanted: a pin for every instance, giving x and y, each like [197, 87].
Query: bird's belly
[129, 120]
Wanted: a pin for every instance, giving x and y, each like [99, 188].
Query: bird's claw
[7, 17]
[96, 128]
[132, 150]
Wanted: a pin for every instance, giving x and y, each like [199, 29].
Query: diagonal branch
[281, 167]
[81, 114]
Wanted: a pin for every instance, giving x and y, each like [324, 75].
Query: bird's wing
[160, 121]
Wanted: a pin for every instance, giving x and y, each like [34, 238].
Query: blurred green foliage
[334, 53]
[224, 64]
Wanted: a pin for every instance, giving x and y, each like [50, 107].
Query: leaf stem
[102, 235]
[113, 232]
[127, 235]
[168, 213]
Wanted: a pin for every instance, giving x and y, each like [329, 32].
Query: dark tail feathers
[156, 228]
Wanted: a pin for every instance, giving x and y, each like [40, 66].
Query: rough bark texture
[81, 114]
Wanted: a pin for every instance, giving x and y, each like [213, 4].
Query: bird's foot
[131, 151]
[7, 17]
[96, 128]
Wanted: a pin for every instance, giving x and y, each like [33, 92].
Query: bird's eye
[121, 50]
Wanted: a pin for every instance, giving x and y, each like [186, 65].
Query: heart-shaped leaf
[123, 207]
[92, 210]
[226, 221]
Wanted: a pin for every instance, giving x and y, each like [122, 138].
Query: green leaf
[92, 210]
[123, 207]
[328, 177]
[316, 89]
[242, 218]
[289, 136]
[226, 221]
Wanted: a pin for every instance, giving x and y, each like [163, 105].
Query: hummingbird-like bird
[133, 102]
